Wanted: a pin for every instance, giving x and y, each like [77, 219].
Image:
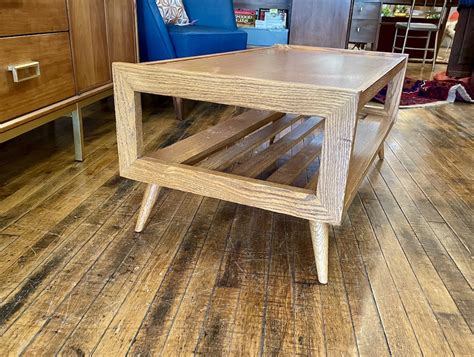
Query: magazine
[245, 17]
[272, 18]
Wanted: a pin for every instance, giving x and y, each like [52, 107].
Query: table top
[319, 67]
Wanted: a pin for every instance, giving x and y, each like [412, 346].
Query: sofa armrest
[213, 13]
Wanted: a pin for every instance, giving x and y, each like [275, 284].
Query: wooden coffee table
[239, 159]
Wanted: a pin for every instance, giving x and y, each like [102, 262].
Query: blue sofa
[214, 31]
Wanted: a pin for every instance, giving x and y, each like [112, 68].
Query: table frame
[339, 177]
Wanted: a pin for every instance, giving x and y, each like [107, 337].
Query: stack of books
[262, 18]
[245, 17]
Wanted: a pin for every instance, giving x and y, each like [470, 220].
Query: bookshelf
[323, 23]
[266, 37]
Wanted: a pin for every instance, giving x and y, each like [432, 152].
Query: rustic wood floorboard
[208, 277]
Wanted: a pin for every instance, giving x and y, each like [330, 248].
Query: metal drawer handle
[15, 68]
[361, 9]
[358, 29]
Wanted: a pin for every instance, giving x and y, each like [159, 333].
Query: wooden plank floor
[214, 278]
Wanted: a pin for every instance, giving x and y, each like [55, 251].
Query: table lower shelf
[263, 153]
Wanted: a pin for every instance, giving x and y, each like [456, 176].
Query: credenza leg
[320, 237]
[78, 134]
[149, 199]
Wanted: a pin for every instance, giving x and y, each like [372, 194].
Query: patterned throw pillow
[173, 12]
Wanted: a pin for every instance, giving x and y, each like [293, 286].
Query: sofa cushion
[202, 40]
[173, 12]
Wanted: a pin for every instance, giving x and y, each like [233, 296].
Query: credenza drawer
[42, 66]
[22, 17]
[366, 10]
[364, 31]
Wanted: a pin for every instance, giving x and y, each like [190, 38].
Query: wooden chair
[428, 28]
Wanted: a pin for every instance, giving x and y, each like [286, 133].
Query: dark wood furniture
[365, 22]
[335, 144]
[461, 60]
[322, 23]
[55, 58]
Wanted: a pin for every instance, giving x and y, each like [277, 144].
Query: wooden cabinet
[51, 56]
[323, 23]
[56, 55]
[121, 36]
[22, 17]
[88, 29]
[365, 23]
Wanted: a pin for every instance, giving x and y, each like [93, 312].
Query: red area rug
[420, 93]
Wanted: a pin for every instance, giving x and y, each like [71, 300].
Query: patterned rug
[420, 93]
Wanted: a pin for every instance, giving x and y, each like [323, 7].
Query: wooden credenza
[365, 22]
[56, 56]
[322, 23]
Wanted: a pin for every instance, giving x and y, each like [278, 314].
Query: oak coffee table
[307, 101]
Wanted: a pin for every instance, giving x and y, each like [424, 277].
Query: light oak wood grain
[261, 161]
[320, 238]
[223, 159]
[287, 173]
[149, 199]
[207, 142]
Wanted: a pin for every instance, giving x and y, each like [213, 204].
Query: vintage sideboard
[55, 58]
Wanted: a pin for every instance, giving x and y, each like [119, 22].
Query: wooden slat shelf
[370, 135]
[264, 159]
[287, 173]
[222, 146]
[202, 144]
[223, 159]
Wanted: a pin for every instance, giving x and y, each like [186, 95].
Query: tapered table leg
[320, 237]
[382, 152]
[149, 199]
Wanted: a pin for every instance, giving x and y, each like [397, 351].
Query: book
[245, 17]
[272, 18]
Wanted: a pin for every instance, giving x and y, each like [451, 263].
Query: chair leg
[395, 40]
[179, 107]
[149, 199]
[320, 238]
[435, 52]
[407, 31]
[427, 46]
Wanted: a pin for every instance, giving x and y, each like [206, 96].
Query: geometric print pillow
[173, 12]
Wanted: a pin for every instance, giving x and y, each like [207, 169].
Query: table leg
[149, 199]
[382, 152]
[320, 237]
[179, 108]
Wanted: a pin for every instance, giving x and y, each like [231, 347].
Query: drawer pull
[361, 9]
[358, 29]
[18, 67]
